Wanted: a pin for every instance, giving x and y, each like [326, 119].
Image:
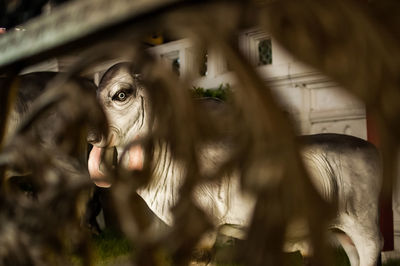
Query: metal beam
[75, 25]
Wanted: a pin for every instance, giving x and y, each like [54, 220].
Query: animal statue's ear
[96, 174]
[132, 68]
[136, 158]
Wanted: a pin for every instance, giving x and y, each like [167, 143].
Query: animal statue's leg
[366, 238]
[349, 247]
[93, 208]
[204, 252]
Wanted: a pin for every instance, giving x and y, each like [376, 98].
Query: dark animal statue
[46, 133]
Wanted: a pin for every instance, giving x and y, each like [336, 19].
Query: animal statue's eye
[121, 95]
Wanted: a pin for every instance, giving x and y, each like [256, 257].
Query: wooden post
[386, 211]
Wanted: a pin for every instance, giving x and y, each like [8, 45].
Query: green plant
[222, 92]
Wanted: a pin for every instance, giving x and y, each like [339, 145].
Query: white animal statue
[341, 166]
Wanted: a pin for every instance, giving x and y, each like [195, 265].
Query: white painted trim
[337, 115]
[170, 46]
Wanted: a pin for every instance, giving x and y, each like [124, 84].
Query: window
[204, 64]
[173, 60]
[257, 46]
[264, 52]
[176, 65]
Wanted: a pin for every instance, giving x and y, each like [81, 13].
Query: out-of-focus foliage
[355, 42]
[222, 92]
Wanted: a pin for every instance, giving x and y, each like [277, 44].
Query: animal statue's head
[123, 100]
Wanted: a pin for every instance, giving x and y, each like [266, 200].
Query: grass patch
[392, 263]
[111, 247]
[111, 244]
